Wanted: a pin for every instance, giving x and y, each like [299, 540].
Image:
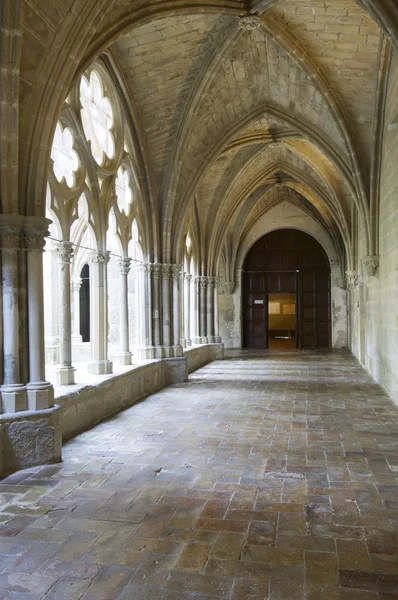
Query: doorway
[282, 321]
[283, 265]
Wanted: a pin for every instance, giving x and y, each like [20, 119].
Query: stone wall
[374, 303]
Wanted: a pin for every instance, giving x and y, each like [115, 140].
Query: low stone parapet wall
[32, 438]
[91, 404]
[198, 356]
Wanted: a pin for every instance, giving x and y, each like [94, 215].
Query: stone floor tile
[287, 582]
[193, 557]
[352, 554]
[67, 588]
[372, 581]
[321, 568]
[251, 589]
[237, 568]
[263, 477]
[228, 546]
[109, 583]
[220, 587]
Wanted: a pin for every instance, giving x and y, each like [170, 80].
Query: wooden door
[287, 261]
[255, 313]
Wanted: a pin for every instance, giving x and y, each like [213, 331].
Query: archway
[286, 292]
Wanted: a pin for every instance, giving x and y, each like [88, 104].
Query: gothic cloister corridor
[267, 476]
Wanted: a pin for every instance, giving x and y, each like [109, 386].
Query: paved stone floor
[267, 476]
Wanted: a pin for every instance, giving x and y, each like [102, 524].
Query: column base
[203, 340]
[178, 351]
[40, 395]
[168, 352]
[13, 398]
[65, 375]
[212, 339]
[159, 352]
[124, 358]
[197, 340]
[218, 339]
[145, 353]
[100, 367]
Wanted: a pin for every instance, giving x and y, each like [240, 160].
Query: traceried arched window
[93, 197]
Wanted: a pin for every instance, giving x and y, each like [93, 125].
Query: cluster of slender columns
[22, 243]
[200, 310]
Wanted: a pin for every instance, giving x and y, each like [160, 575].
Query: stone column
[13, 392]
[40, 391]
[202, 309]
[156, 272]
[146, 349]
[217, 337]
[210, 310]
[176, 273]
[124, 356]
[76, 285]
[65, 373]
[167, 309]
[99, 363]
[187, 308]
[195, 301]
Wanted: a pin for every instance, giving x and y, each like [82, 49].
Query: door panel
[287, 261]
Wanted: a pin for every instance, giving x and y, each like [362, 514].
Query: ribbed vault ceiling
[237, 112]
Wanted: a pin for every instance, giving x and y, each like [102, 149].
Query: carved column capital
[352, 278]
[249, 23]
[371, 265]
[229, 287]
[124, 265]
[176, 271]
[35, 238]
[188, 278]
[202, 280]
[146, 268]
[10, 238]
[101, 257]
[157, 270]
[167, 271]
[65, 252]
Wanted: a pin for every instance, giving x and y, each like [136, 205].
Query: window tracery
[97, 117]
[65, 158]
[93, 196]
